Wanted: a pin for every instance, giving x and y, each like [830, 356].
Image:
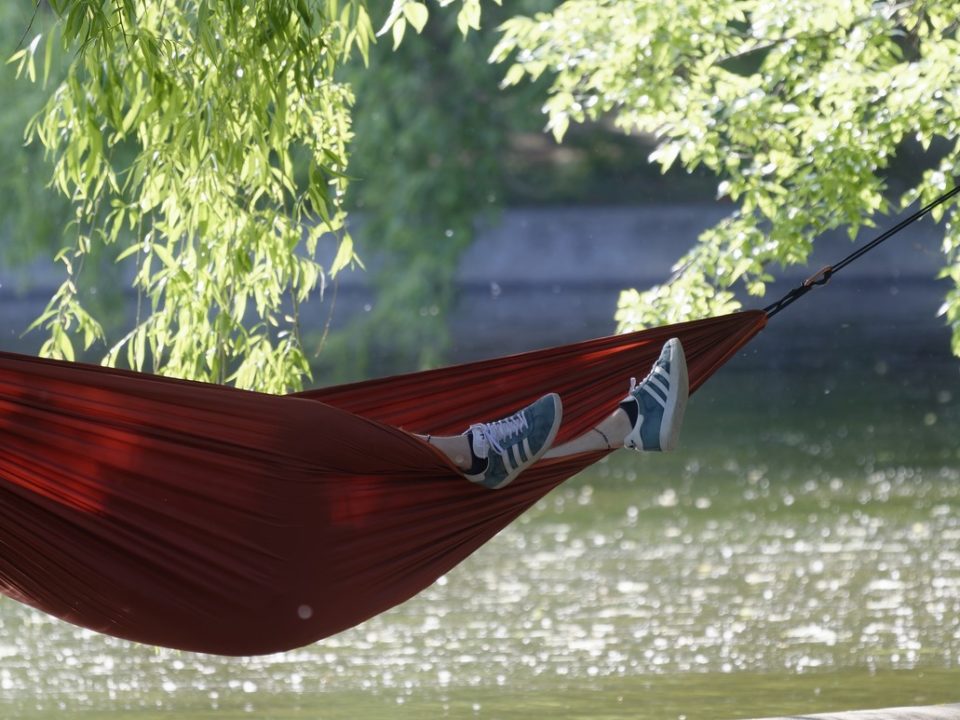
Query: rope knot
[821, 277]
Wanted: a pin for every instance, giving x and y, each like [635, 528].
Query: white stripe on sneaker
[662, 401]
[664, 387]
[510, 460]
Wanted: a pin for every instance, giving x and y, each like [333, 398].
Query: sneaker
[661, 400]
[513, 444]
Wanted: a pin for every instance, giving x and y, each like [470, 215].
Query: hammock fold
[216, 520]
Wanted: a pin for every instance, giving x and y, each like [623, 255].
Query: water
[800, 554]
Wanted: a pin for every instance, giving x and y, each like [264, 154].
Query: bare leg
[649, 418]
[608, 435]
[454, 447]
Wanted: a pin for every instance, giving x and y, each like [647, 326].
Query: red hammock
[217, 520]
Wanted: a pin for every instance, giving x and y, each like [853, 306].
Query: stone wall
[544, 276]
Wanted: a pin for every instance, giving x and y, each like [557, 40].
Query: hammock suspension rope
[822, 276]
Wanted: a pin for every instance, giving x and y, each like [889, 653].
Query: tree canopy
[206, 147]
[209, 140]
[797, 107]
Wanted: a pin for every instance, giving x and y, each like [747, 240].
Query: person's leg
[649, 418]
[493, 454]
[608, 435]
[455, 447]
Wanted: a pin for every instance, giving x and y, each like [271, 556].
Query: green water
[800, 554]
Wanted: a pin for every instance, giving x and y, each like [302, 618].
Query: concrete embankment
[545, 276]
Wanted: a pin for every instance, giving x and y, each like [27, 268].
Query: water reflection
[603, 580]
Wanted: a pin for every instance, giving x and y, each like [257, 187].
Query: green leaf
[398, 29]
[417, 14]
[469, 16]
[396, 12]
[513, 76]
[344, 255]
[47, 62]
[166, 257]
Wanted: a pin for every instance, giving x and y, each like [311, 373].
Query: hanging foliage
[797, 107]
[207, 142]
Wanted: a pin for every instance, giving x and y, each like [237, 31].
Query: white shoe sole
[677, 403]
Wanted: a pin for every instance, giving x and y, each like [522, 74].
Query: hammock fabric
[217, 520]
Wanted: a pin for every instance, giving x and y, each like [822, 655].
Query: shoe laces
[495, 434]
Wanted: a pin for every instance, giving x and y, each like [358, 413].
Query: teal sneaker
[513, 444]
[660, 402]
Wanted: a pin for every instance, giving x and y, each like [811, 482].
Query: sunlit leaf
[417, 14]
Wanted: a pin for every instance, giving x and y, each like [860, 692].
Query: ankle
[477, 464]
[606, 440]
[632, 409]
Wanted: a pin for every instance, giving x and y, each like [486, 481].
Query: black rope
[824, 275]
